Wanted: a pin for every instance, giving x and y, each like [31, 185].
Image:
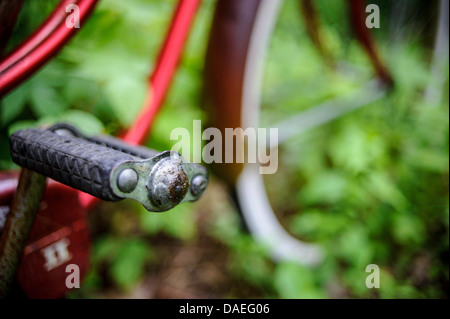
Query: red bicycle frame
[42, 45]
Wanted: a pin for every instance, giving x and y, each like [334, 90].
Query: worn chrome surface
[163, 181]
[198, 185]
[127, 180]
[167, 183]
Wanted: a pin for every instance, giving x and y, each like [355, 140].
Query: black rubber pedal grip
[119, 145]
[108, 141]
[70, 160]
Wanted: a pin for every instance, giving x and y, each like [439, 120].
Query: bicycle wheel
[240, 44]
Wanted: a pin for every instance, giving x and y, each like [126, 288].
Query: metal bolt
[127, 180]
[198, 185]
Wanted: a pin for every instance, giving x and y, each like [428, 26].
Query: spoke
[328, 111]
[434, 91]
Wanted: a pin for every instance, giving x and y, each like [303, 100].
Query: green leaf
[355, 149]
[46, 101]
[179, 222]
[408, 229]
[250, 261]
[128, 266]
[317, 225]
[78, 89]
[121, 74]
[126, 95]
[21, 125]
[105, 249]
[328, 187]
[294, 281]
[386, 190]
[429, 159]
[85, 122]
[354, 246]
[13, 104]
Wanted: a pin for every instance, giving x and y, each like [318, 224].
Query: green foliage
[179, 222]
[294, 281]
[128, 267]
[124, 261]
[373, 184]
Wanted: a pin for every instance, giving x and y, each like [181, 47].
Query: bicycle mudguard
[224, 72]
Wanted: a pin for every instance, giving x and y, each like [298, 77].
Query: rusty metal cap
[167, 184]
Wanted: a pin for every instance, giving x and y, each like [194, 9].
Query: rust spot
[178, 188]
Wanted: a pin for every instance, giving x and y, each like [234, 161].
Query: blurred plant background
[371, 187]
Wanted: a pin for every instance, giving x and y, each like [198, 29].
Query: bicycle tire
[238, 42]
[230, 64]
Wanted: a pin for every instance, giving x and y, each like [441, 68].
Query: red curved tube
[165, 67]
[41, 46]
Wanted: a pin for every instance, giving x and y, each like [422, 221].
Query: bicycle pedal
[108, 168]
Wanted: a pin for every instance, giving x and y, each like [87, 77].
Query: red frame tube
[41, 46]
[162, 75]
